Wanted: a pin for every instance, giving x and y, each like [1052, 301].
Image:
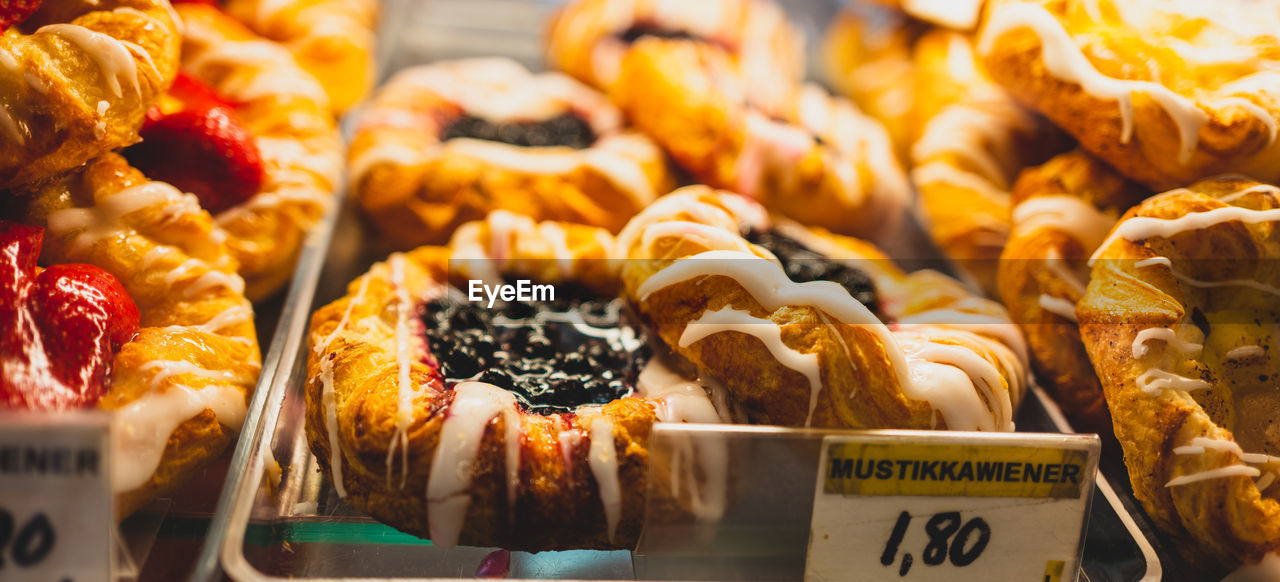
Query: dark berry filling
[565, 130]
[641, 30]
[803, 264]
[555, 356]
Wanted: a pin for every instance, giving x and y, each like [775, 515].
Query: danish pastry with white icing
[805, 328]
[1180, 321]
[78, 77]
[814, 158]
[446, 143]
[178, 389]
[1165, 92]
[1062, 211]
[523, 425]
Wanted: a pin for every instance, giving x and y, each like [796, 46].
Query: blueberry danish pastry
[523, 425]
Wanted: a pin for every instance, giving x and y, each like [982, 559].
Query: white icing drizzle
[711, 237]
[769, 285]
[1155, 379]
[141, 429]
[105, 220]
[602, 457]
[1219, 473]
[114, 59]
[941, 172]
[166, 369]
[1059, 266]
[346, 314]
[729, 319]
[404, 361]
[1153, 261]
[474, 405]
[1244, 352]
[1144, 227]
[1064, 308]
[1064, 59]
[329, 399]
[1166, 335]
[1064, 213]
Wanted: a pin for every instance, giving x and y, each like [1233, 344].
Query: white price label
[950, 506]
[56, 505]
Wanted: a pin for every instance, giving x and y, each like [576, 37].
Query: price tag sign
[56, 505]
[911, 505]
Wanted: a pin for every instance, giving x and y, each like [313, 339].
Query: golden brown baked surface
[588, 39]
[287, 113]
[1063, 209]
[386, 429]
[814, 158]
[1166, 92]
[178, 390]
[1179, 320]
[810, 354]
[418, 185]
[332, 39]
[78, 80]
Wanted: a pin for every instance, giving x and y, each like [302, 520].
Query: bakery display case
[641, 290]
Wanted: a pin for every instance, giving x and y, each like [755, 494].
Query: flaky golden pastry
[179, 389]
[287, 113]
[77, 80]
[867, 55]
[810, 354]
[465, 463]
[418, 181]
[817, 160]
[589, 38]
[973, 142]
[332, 39]
[1180, 322]
[1165, 92]
[1062, 211]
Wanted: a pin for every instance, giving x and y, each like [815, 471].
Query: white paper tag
[950, 506]
[56, 505]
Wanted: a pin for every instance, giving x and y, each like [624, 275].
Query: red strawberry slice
[204, 151]
[59, 329]
[13, 12]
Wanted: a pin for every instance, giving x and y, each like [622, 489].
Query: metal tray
[290, 524]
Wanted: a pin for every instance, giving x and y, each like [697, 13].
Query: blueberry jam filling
[641, 30]
[565, 130]
[555, 356]
[803, 264]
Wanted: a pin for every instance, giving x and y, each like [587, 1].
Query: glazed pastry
[971, 148]
[805, 328]
[268, 169]
[178, 389]
[819, 161]
[1179, 320]
[1165, 92]
[446, 143]
[504, 425]
[867, 55]
[1062, 211]
[589, 38]
[332, 39]
[79, 75]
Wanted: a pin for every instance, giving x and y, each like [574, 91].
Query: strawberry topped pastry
[120, 294]
[249, 133]
[63, 326]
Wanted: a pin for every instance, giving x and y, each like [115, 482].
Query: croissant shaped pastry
[767, 319]
[460, 423]
[1063, 209]
[178, 390]
[1166, 92]
[78, 78]
[1179, 320]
